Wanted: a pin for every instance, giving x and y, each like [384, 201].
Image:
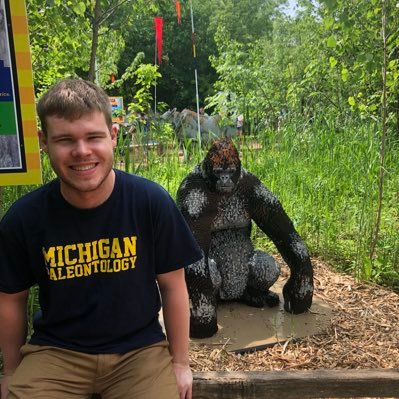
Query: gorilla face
[224, 179]
[222, 166]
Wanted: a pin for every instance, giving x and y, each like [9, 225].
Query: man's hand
[13, 327]
[184, 378]
[176, 312]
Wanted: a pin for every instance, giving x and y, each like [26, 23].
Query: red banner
[178, 12]
[158, 21]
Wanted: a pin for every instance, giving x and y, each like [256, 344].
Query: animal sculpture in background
[220, 199]
[185, 124]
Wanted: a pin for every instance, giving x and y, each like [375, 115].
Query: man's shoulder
[37, 195]
[130, 178]
[30, 205]
[139, 185]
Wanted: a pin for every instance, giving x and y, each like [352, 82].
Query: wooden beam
[372, 383]
[297, 384]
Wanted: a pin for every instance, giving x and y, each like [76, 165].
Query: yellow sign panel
[19, 146]
[117, 109]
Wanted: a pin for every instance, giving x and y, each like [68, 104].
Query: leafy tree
[59, 33]
[244, 20]
[177, 86]
[85, 38]
[344, 68]
[108, 19]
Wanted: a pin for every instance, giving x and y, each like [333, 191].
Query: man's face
[81, 154]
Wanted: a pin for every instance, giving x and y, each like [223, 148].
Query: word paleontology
[84, 259]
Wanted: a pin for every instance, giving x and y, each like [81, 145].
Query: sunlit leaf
[328, 22]
[333, 62]
[351, 101]
[331, 41]
[79, 8]
[344, 74]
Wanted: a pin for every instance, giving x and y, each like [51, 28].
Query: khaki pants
[53, 373]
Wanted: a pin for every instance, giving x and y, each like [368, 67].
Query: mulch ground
[363, 333]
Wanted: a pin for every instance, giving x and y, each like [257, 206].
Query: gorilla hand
[298, 293]
[203, 280]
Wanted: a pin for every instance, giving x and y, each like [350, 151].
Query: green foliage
[127, 75]
[264, 64]
[64, 50]
[59, 36]
[244, 20]
[146, 78]
[324, 60]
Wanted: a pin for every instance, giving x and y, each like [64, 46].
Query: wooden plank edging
[343, 383]
[297, 384]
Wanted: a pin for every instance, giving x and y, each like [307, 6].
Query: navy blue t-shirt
[95, 268]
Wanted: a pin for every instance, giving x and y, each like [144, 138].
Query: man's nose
[81, 148]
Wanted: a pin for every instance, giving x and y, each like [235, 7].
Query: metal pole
[155, 85]
[96, 72]
[195, 72]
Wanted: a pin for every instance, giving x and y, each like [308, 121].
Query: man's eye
[96, 137]
[63, 140]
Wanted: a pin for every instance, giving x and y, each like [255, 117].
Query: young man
[99, 243]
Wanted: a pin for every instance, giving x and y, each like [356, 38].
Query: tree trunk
[94, 42]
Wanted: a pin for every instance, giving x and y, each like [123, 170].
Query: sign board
[19, 146]
[117, 109]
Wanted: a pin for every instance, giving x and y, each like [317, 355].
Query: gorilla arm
[198, 207]
[268, 213]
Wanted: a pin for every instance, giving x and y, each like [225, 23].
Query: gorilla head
[222, 166]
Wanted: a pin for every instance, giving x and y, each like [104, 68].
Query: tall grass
[327, 180]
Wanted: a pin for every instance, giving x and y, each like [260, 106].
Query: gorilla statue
[219, 199]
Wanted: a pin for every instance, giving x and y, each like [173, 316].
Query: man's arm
[13, 324]
[176, 313]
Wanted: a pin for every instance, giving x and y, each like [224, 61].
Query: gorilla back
[220, 200]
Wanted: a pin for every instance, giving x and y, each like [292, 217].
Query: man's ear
[114, 133]
[42, 140]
